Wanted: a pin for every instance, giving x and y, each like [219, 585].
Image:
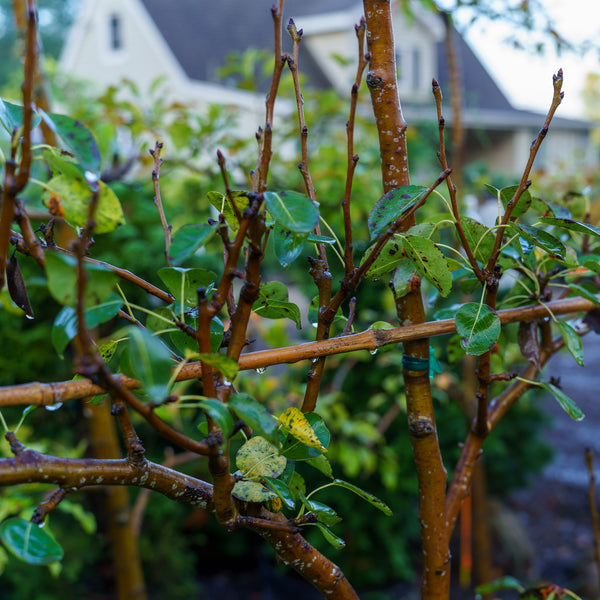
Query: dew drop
[314, 360]
[53, 407]
[373, 352]
[261, 370]
[29, 316]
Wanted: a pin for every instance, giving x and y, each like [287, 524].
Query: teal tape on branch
[411, 363]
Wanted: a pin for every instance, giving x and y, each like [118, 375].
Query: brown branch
[431, 473]
[45, 394]
[437, 94]
[155, 153]
[524, 184]
[589, 459]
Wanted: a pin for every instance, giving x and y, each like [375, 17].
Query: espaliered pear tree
[197, 336]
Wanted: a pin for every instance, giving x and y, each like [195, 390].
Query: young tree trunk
[431, 473]
[125, 552]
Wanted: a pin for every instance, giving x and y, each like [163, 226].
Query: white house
[186, 41]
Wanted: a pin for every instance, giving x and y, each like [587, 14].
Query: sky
[526, 79]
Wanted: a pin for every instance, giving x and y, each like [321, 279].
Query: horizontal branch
[43, 394]
[73, 474]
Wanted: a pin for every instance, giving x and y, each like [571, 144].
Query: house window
[409, 64]
[116, 33]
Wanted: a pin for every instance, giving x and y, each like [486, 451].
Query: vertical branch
[361, 30]
[589, 459]
[381, 80]
[266, 139]
[155, 153]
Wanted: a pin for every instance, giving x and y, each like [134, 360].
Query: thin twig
[157, 197]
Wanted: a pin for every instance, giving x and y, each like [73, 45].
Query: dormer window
[116, 33]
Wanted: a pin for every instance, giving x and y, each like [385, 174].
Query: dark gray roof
[201, 33]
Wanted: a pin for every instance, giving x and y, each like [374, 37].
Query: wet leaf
[11, 116]
[320, 239]
[61, 272]
[220, 414]
[16, 286]
[259, 458]
[78, 140]
[184, 283]
[565, 402]
[223, 205]
[225, 364]
[522, 206]
[479, 237]
[64, 328]
[389, 258]
[148, 360]
[254, 414]
[572, 341]
[542, 239]
[370, 498]
[478, 327]
[29, 542]
[331, 538]
[252, 491]
[69, 197]
[189, 238]
[429, 262]
[321, 463]
[296, 424]
[401, 280]
[273, 303]
[391, 206]
[287, 245]
[325, 514]
[292, 211]
[572, 225]
[277, 486]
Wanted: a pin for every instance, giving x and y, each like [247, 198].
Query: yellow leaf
[296, 424]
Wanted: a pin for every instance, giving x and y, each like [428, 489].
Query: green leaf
[592, 265]
[572, 225]
[29, 542]
[294, 449]
[225, 364]
[403, 274]
[223, 205]
[292, 210]
[184, 283]
[287, 245]
[254, 414]
[542, 239]
[391, 206]
[282, 490]
[522, 206]
[572, 341]
[579, 290]
[479, 238]
[187, 239]
[64, 328]
[259, 458]
[220, 414]
[389, 258]
[11, 116]
[335, 541]
[297, 425]
[61, 272]
[503, 583]
[69, 197]
[273, 303]
[370, 498]
[320, 239]
[78, 140]
[148, 360]
[429, 262]
[478, 327]
[252, 491]
[61, 164]
[325, 514]
[321, 463]
[565, 402]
